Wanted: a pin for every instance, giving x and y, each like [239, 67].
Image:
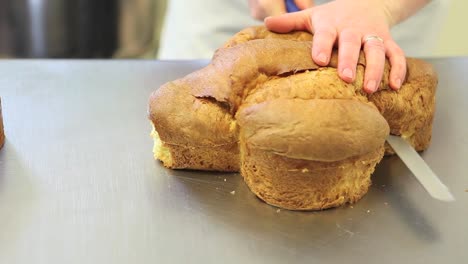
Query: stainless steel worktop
[78, 183]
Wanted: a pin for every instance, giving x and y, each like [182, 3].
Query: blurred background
[128, 29]
[80, 28]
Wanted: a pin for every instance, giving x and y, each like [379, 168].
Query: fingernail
[372, 86]
[348, 73]
[322, 57]
[398, 83]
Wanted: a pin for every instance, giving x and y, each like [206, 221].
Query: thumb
[289, 22]
[304, 4]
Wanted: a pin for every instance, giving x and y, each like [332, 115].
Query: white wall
[454, 36]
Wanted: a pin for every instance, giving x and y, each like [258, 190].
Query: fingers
[397, 60]
[350, 40]
[348, 54]
[324, 39]
[374, 51]
[289, 22]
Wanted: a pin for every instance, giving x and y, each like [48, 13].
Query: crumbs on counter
[279, 210]
[233, 192]
[368, 211]
[224, 179]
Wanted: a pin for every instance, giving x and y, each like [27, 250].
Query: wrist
[382, 8]
[394, 11]
[399, 10]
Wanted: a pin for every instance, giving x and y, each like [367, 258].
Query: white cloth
[194, 29]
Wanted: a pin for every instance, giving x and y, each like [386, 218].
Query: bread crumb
[383, 185]
[233, 192]
[351, 207]
[279, 210]
[224, 179]
[368, 211]
[304, 170]
[232, 126]
[385, 203]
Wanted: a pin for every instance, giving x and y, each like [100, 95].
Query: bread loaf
[302, 138]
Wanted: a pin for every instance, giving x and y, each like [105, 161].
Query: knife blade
[420, 169]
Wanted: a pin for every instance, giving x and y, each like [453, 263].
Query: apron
[195, 29]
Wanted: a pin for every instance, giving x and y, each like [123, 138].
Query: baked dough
[302, 138]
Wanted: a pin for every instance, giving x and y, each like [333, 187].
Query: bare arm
[399, 10]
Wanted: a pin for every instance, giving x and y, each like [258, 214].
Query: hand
[348, 24]
[260, 9]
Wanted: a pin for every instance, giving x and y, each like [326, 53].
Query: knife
[291, 6]
[420, 169]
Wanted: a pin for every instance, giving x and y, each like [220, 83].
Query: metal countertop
[78, 183]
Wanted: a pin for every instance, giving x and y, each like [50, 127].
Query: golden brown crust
[260, 32]
[254, 79]
[235, 71]
[2, 134]
[319, 129]
[307, 185]
[185, 120]
[410, 110]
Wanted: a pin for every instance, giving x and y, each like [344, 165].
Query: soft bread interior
[161, 152]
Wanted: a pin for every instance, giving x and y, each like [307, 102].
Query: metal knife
[420, 169]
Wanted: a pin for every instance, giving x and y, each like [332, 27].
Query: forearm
[399, 10]
[395, 11]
